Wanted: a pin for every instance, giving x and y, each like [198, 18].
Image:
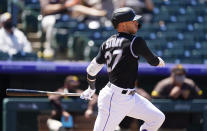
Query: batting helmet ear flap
[114, 22]
[139, 26]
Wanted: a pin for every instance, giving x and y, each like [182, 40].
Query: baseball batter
[121, 53]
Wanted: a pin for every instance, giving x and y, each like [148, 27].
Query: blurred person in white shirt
[12, 40]
[141, 7]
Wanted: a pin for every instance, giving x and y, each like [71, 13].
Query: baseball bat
[26, 92]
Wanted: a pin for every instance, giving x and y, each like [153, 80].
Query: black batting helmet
[123, 15]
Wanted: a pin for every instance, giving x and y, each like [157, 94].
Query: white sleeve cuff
[93, 68]
[161, 62]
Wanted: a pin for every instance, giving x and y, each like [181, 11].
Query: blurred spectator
[103, 9]
[118, 3]
[12, 40]
[108, 5]
[55, 122]
[50, 9]
[177, 86]
[141, 7]
[88, 9]
[125, 125]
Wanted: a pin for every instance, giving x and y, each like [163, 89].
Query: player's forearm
[154, 61]
[150, 57]
[142, 49]
[92, 70]
[91, 81]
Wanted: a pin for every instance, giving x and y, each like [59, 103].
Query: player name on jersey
[114, 43]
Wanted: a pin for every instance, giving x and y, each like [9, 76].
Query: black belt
[124, 91]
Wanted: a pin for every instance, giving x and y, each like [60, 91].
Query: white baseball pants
[113, 106]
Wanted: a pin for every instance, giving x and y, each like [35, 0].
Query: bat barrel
[24, 92]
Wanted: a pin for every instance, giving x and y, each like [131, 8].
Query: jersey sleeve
[100, 57]
[139, 47]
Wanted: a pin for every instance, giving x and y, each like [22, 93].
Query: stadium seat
[107, 33]
[204, 45]
[144, 33]
[24, 57]
[61, 39]
[174, 10]
[96, 35]
[4, 56]
[200, 19]
[158, 2]
[182, 34]
[200, 27]
[177, 45]
[91, 50]
[161, 17]
[175, 2]
[72, 25]
[190, 11]
[31, 11]
[99, 42]
[199, 36]
[196, 53]
[192, 61]
[82, 26]
[200, 9]
[172, 35]
[178, 3]
[176, 26]
[157, 44]
[204, 53]
[188, 36]
[160, 35]
[77, 46]
[205, 18]
[168, 54]
[150, 44]
[187, 53]
[31, 2]
[189, 45]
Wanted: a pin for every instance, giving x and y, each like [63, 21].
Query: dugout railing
[11, 106]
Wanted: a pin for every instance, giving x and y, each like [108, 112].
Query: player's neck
[123, 30]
